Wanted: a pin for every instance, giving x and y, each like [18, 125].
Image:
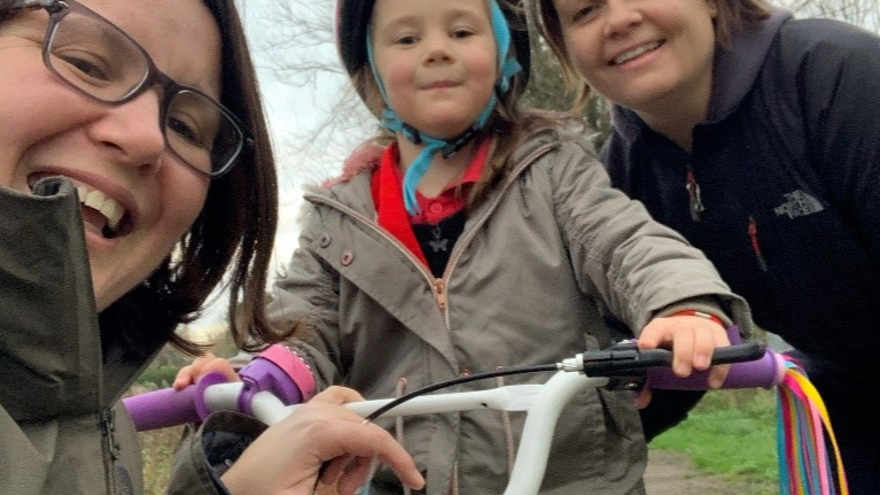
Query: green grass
[731, 433]
[156, 377]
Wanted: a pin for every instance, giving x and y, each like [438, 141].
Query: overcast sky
[293, 113]
[299, 105]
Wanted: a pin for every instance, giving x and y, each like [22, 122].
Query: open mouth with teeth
[635, 52]
[110, 212]
[100, 212]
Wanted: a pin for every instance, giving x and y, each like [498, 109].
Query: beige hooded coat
[527, 283]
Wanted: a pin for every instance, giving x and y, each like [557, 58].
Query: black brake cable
[518, 370]
[618, 360]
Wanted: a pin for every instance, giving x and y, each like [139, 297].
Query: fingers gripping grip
[766, 372]
[749, 368]
[631, 368]
[168, 407]
[277, 369]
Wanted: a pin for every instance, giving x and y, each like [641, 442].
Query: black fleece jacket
[788, 170]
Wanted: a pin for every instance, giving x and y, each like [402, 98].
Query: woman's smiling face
[138, 199]
[642, 54]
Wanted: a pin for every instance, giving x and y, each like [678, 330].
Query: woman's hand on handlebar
[692, 339]
[191, 373]
[288, 456]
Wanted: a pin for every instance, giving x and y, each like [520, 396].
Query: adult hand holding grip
[277, 369]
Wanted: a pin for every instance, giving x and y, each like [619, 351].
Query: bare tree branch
[863, 13]
[299, 50]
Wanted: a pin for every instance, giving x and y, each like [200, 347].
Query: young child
[481, 236]
[770, 122]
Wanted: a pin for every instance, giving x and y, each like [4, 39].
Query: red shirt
[388, 196]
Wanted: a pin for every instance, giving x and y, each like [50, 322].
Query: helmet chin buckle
[452, 145]
[457, 143]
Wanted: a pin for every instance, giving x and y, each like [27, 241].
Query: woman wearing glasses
[135, 171]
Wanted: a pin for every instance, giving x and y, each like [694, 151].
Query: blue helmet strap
[508, 66]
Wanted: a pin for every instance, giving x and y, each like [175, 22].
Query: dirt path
[668, 473]
[671, 473]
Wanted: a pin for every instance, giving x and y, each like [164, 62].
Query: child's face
[437, 60]
[647, 55]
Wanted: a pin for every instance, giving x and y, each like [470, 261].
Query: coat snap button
[347, 258]
[324, 241]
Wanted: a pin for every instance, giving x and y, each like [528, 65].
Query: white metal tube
[223, 396]
[537, 434]
[508, 398]
[268, 408]
[544, 404]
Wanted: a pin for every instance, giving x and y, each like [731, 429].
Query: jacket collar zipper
[108, 427]
[440, 292]
[111, 445]
[524, 163]
[695, 199]
[440, 283]
[756, 247]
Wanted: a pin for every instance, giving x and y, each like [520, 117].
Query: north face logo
[798, 204]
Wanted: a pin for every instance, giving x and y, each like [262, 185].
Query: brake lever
[626, 365]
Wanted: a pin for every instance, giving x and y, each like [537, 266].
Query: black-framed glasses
[99, 60]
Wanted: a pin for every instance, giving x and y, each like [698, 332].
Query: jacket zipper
[534, 155]
[440, 292]
[440, 283]
[753, 236]
[111, 446]
[695, 199]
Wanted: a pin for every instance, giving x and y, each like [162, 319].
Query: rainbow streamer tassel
[803, 426]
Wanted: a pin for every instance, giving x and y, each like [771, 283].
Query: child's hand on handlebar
[692, 339]
[202, 365]
[288, 457]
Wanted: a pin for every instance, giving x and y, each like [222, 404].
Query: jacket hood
[733, 76]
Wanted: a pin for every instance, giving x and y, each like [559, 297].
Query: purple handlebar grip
[168, 407]
[274, 370]
[766, 372]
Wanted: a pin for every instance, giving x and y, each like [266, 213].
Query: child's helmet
[511, 32]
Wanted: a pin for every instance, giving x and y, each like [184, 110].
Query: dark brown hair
[235, 232]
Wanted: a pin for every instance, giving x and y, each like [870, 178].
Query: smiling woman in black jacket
[756, 136]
